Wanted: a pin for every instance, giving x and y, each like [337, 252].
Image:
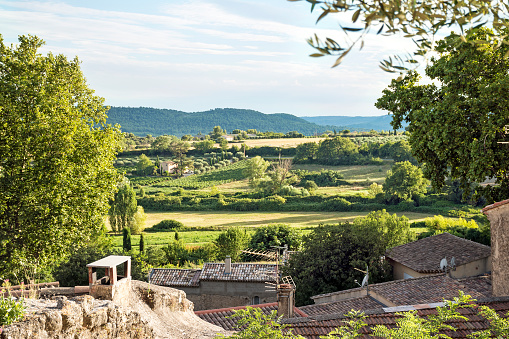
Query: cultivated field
[301, 220]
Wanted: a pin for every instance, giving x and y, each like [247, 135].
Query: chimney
[228, 265]
[498, 215]
[285, 300]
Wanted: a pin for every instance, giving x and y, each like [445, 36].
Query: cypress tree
[126, 244]
[142, 244]
[177, 236]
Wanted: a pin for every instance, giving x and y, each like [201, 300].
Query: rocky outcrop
[153, 312]
[81, 317]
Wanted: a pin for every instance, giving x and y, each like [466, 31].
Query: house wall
[220, 294]
[498, 216]
[167, 167]
[471, 269]
[399, 270]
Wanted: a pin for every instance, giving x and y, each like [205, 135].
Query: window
[256, 300]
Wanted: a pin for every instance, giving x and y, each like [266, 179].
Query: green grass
[302, 221]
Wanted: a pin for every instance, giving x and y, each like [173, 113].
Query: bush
[337, 204]
[310, 185]
[11, 310]
[168, 225]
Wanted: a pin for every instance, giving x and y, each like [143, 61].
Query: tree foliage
[254, 324]
[145, 166]
[404, 181]
[331, 252]
[56, 156]
[275, 235]
[123, 208]
[455, 127]
[419, 20]
[231, 242]
[336, 150]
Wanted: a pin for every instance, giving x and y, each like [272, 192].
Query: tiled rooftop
[314, 327]
[427, 289]
[342, 306]
[175, 277]
[243, 272]
[239, 272]
[424, 255]
[220, 316]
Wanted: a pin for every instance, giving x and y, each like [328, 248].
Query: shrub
[11, 310]
[310, 185]
[167, 225]
[337, 204]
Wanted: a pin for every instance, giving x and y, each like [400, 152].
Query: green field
[301, 220]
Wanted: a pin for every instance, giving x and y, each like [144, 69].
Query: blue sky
[195, 55]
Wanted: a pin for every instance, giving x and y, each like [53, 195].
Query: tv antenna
[272, 255]
[448, 267]
[365, 280]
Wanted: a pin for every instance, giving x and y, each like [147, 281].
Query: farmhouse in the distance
[167, 166]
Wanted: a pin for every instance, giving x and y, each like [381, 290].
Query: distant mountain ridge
[146, 120]
[378, 123]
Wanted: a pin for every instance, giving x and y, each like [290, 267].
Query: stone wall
[81, 317]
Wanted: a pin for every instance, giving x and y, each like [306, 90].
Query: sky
[196, 55]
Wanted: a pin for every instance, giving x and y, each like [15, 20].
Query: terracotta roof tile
[427, 289]
[314, 327]
[175, 277]
[220, 317]
[239, 272]
[424, 255]
[342, 306]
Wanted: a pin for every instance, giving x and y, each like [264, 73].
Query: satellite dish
[453, 262]
[443, 264]
[365, 280]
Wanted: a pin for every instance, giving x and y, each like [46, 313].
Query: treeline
[343, 151]
[145, 120]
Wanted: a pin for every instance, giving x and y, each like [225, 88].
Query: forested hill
[378, 123]
[145, 120]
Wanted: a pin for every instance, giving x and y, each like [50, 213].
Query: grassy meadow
[304, 221]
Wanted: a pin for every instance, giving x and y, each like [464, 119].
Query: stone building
[220, 285]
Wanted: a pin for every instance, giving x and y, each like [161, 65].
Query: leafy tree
[455, 127]
[401, 151]
[204, 145]
[123, 208]
[418, 20]
[56, 157]
[176, 252]
[331, 252]
[338, 150]
[231, 242]
[179, 149]
[223, 143]
[275, 235]
[145, 166]
[163, 143]
[139, 220]
[254, 324]
[256, 169]
[404, 181]
[126, 239]
[306, 151]
[217, 131]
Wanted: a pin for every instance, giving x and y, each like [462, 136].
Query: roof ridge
[380, 284]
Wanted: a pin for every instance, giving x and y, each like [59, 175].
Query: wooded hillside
[145, 120]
